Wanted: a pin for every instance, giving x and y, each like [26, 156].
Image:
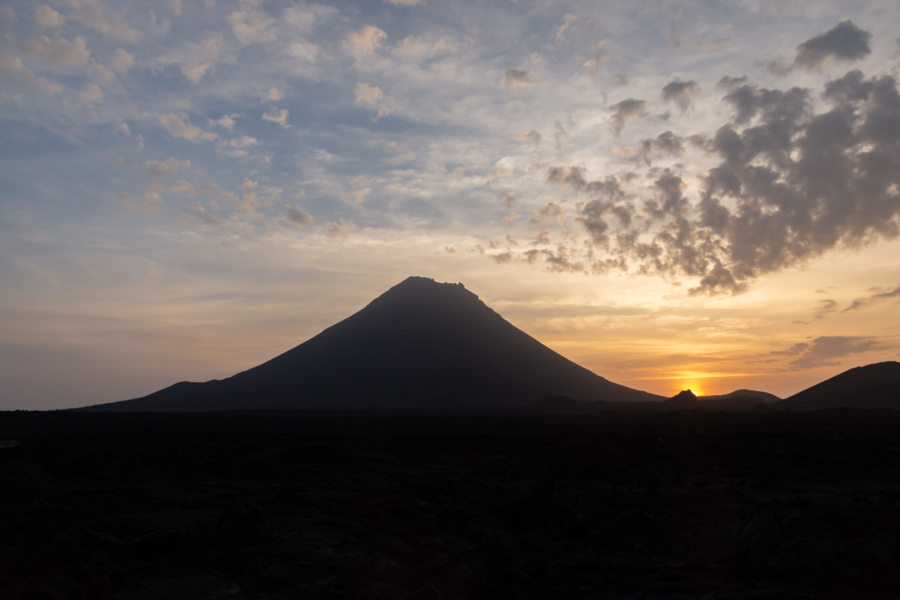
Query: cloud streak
[827, 350]
[873, 298]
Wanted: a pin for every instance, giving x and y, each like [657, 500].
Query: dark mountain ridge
[420, 345]
[765, 397]
[871, 386]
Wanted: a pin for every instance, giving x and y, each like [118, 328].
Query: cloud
[605, 50]
[728, 82]
[680, 93]
[371, 95]
[152, 200]
[550, 210]
[90, 93]
[625, 111]
[166, 168]
[57, 52]
[826, 350]
[364, 42]
[874, 297]
[298, 217]
[249, 201]
[844, 42]
[122, 61]
[182, 187]
[339, 228]
[826, 306]
[179, 127]
[45, 16]
[251, 25]
[226, 121]
[507, 198]
[665, 144]
[277, 116]
[788, 182]
[14, 74]
[146, 203]
[199, 212]
[244, 141]
[367, 94]
[109, 22]
[274, 95]
[514, 79]
[405, 2]
[101, 73]
[534, 136]
[194, 71]
[202, 58]
[569, 21]
[416, 48]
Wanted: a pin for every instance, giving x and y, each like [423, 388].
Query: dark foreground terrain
[275, 505]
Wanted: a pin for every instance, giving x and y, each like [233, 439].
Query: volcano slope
[421, 345]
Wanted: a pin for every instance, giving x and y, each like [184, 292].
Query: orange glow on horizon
[692, 385]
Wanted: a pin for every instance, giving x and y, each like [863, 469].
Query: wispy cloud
[876, 296]
[827, 350]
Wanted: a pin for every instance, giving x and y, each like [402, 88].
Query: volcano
[421, 345]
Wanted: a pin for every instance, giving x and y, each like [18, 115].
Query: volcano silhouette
[421, 345]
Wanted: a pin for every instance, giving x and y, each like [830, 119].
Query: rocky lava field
[394, 505]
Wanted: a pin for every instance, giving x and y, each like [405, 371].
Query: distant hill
[685, 400]
[765, 397]
[420, 345]
[871, 386]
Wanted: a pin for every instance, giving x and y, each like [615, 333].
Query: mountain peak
[419, 345]
[684, 398]
[426, 293]
[417, 282]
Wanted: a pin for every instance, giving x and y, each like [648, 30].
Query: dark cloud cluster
[680, 93]
[666, 144]
[796, 174]
[845, 41]
[793, 184]
[625, 111]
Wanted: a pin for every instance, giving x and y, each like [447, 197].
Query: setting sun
[692, 385]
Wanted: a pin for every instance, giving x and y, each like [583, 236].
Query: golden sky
[674, 194]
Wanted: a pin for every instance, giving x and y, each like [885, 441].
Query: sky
[673, 194]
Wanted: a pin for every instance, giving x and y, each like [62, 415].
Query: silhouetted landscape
[421, 345]
[425, 447]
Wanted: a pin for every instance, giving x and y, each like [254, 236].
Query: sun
[692, 384]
